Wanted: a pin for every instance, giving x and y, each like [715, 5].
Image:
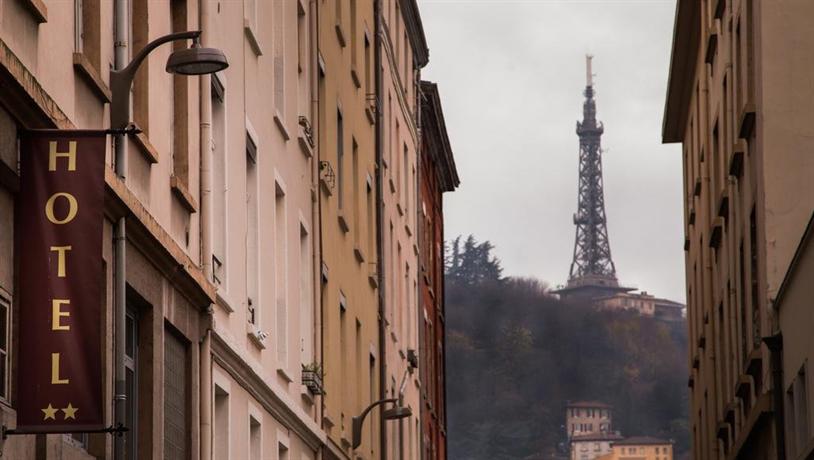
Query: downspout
[120, 55]
[205, 146]
[316, 208]
[419, 222]
[379, 86]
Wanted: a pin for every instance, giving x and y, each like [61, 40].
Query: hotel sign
[60, 239]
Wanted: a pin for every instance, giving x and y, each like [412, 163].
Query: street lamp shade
[196, 61]
[397, 412]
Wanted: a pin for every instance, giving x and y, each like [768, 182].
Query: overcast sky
[511, 76]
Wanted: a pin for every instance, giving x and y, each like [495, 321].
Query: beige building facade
[737, 101]
[645, 304]
[592, 446]
[348, 213]
[640, 448]
[584, 418]
[403, 52]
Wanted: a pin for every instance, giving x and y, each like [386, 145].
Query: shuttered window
[176, 397]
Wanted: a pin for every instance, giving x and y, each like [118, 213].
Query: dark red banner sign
[60, 234]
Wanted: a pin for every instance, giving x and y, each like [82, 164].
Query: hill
[516, 355]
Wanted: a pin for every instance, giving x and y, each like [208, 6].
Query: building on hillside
[793, 308]
[588, 418]
[643, 303]
[403, 53]
[436, 175]
[738, 101]
[592, 446]
[640, 448]
[348, 212]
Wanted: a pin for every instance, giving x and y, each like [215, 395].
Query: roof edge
[415, 30]
[683, 62]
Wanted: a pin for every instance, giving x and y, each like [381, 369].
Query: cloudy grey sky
[511, 76]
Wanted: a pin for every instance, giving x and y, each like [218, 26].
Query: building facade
[588, 418]
[403, 52]
[436, 175]
[592, 446]
[269, 285]
[640, 448]
[737, 96]
[645, 304]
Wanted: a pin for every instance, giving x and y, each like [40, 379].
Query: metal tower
[593, 273]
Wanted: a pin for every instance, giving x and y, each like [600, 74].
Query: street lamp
[394, 413]
[189, 61]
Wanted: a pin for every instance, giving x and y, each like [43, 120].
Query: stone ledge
[82, 65]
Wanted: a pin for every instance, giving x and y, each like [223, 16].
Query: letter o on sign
[73, 208]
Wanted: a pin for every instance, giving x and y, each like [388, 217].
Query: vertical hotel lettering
[61, 295]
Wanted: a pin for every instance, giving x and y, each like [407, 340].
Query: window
[756, 334]
[139, 37]
[281, 270]
[280, 26]
[355, 191]
[87, 31]
[340, 159]
[252, 243]
[371, 225]
[302, 39]
[131, 380]
[219, 182]
[176, 396]
[221, 432]
[255, 439]
[405, 165]
[368, 67]
[372, 396]
[250, 14]
[343, 342]
[4, 342]
[180, 100]
[353, 34]
[282, 452]
[306, 304]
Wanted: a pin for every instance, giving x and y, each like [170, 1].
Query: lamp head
[196, 60]
[395, 413]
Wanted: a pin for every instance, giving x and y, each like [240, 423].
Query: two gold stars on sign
[51, 412]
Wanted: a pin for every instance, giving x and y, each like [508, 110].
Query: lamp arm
[357, 421]
[121, 80]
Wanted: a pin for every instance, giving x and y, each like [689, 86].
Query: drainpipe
[379, 85]
[205, 146]
[316, 206]
[120, 249]
[205, 132]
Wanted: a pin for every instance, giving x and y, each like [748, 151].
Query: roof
[433, 125]
[642, 441]
[808, 236]
[415, 31]
[597, 437]
[590, 404]
[684, 58]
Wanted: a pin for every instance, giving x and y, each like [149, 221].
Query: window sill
[145, 147]
[179, 189]
[399, 209]
[306, 395]
[284, 375]
[392, 185]
[253, 333]
[340, 35]
[354, 75]
[37, 9]
[373, 280]
[408, 229]
[278, 120]
[360, 256]
[91, 76]
[251, 36]
[371, 117]
[224, 301]
[343, 223]
[305, 147]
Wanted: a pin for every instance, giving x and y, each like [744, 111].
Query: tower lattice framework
[592, 265]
